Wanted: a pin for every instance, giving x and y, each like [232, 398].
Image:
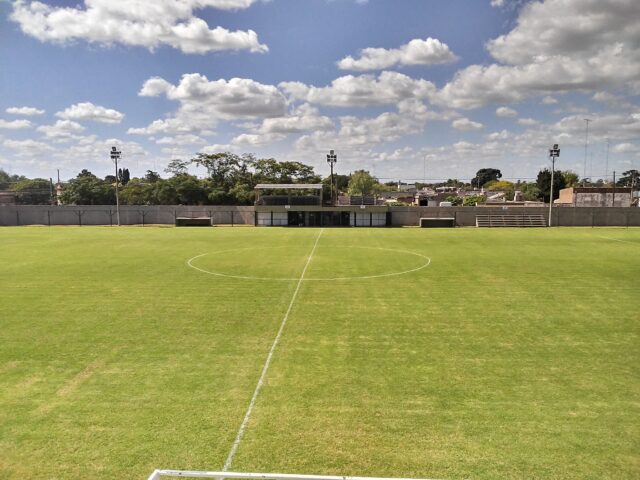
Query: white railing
[158, 474]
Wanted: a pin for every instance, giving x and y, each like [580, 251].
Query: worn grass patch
[514, 354]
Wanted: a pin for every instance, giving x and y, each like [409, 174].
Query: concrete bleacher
[522, 220]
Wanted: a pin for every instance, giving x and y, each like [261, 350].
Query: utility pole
[115, 156]
[553, 153]
[586, 148]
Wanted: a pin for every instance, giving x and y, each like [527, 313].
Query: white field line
[427, 262]
[618, 240]
[265, 368]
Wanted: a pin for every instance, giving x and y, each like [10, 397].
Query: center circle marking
[426, 261]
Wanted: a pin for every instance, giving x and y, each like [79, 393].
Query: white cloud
[26, 111]
[147, 24]
[254, 139]
[15, 124]
[61, 130]
[625, 148]
[549, 100]
[27, 148]
[89, 111]
[188, 139]
[389, 88]
[464, 124]
[527, 122]
[204, 102]
[417, 52]
[303, 118]
[358, 134]
[236, 98]
[557, 46]
[506, 112]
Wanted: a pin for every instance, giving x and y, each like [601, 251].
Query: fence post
[232, 218]
[17, 218]
[49, 217]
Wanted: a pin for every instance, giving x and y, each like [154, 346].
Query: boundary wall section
[561, 216]
[13, 215]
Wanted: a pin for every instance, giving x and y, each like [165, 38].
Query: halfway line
[240, 434]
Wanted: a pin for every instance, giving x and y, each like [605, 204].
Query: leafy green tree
[177, 167]
[455, 200]
[152, 177]
[87, 189]
[630, 178]
[501, 186]
[473, 200]
[571, 179]
[35, 191]
[543, 182]
[138, 192]
[189, 190]
[6, 179]
[363, 183]
[530, 191]
[485, 175]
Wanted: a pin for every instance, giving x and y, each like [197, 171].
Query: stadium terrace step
[511, 221]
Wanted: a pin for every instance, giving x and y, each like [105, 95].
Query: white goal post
[159, 474]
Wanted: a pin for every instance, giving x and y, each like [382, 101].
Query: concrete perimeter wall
[561, 216]
[227, 215]
[129, 214]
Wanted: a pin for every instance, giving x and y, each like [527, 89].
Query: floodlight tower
[115, 156]
[332, 159]
[553, 153]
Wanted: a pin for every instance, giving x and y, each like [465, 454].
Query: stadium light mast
[553, 153]
[115, 156]
[332, 159]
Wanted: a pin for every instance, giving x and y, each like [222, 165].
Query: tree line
[231, 180]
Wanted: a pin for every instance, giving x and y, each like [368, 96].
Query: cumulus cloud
[61, 130]
[557, 46]
[204, 102]
[506, 112]
[26, 111]
[187, 139]
[389, 88]
[15, 124]
[358, 134]
[89, 111]
[527, 122]
[430, 51]
[146, 24]
[625, 148]
[464, 124]
[27, 148]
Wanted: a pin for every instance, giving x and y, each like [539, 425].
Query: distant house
[595, 197]
[7, 198]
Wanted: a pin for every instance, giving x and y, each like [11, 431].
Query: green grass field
[512, 354]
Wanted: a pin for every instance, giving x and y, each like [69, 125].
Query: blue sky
[393, 86]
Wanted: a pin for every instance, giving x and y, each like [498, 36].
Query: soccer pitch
[461, 353]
